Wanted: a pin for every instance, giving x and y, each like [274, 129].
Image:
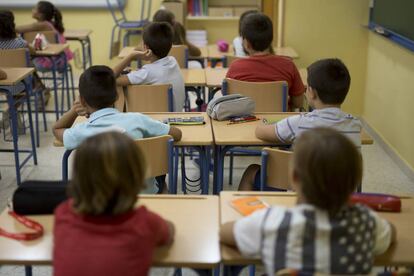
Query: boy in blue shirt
[97, 89]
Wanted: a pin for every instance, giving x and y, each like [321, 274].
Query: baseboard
[388, 150]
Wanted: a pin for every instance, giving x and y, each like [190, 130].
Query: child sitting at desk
[48, 18]
[323, 233]
[162, 69]
[328, 85]
[180, 36]
[99, 231]
[261, 65]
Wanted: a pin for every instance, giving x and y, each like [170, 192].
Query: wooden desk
[15, 75]
[214, 53]
[127, 50]
[194, 77]
[196, 241]
[52, 50]
[215, 76]
[400, 253]
[82, 35]
[77, 34]
[244, 134]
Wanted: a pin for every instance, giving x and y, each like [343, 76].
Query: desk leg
[206, 170]
[55, 88]
[65, 165]
[216, 169]
[28, 87]
[13, 127]
[28, 270]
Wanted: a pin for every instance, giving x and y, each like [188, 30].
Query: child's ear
[313, 94]
[82, 101]
[294, 179]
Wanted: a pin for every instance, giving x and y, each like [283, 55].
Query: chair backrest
[268, 96]
[230, 59]
[15, 58]
[149, 98]
[157, 153]
[120, 102]
[275, 168]
[180, 52]
[51, 36]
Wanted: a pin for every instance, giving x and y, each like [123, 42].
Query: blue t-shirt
[135, 125]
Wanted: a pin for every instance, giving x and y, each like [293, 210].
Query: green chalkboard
[395, 15]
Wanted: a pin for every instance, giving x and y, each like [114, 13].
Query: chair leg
[28, 270]
[36, 100]
[72, 83]
[42, 100]
[231, 169]
[112, 40]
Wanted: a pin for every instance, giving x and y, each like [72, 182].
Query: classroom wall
[331, 28]
[389, 97]
[98, 20]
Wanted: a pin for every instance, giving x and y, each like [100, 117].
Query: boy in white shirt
[328, 84]
[323, 233]
[162, 69]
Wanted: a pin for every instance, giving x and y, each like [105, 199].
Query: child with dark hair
[97, 89]
[262, 65]
[323, 233]
[48, 18]
[162, 69]
[99, 231]
[180, 36]
[328, 85]
[239, 50]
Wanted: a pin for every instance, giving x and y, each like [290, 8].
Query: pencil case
[378, 202]
[234, 105]
[38, 197]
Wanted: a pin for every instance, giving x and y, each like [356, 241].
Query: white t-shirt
[162, 71]
[238, 47]
[307, 239]
[288, 129]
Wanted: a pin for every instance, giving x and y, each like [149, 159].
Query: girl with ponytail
[48, 18]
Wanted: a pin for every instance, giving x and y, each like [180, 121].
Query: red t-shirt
[106, 245]
[268, 68]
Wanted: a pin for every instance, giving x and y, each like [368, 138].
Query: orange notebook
[248, 205]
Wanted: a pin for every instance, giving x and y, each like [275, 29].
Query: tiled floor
[381, 174]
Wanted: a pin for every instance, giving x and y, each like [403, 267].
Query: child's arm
[267, 133]
[66, 121]
[175, 133]
[297, 101]
[128, 59]
[227, 234]
[171, 232]
[34, 27]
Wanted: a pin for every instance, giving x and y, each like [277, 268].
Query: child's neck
[258, 53]
[320, 105]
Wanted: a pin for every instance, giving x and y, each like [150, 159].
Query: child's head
[164, 16]
[242, 16]
[7, 26]
[328, 81]
[327, 168]
[46, 11]
[97, 87]
[158, 37]
[257, 32]
[108, 173]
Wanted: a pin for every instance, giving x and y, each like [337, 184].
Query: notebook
[248, 205]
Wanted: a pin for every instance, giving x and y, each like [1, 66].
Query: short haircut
[158, 36]
[328, 167]
[257, 29]
[108, 174]
[7, 26]
[331, 80]
[243, 15]
[97, 86]
[164, 16]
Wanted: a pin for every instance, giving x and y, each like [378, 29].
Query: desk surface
[15, 75]
[215, 76]
[196, 135]
[400, 253]
[244, 134]
[194, 77]
[52, 50]
[214, 53]
[196, 244]
[77, 34]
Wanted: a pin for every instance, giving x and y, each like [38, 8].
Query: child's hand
[80, 109]
[143, 55]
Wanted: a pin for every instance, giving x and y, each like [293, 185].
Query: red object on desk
[378, 202]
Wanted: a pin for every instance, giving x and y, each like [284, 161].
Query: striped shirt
[14, 43]
[287, 130]
[307, 239]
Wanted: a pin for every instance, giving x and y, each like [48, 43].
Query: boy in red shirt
[261, 65]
